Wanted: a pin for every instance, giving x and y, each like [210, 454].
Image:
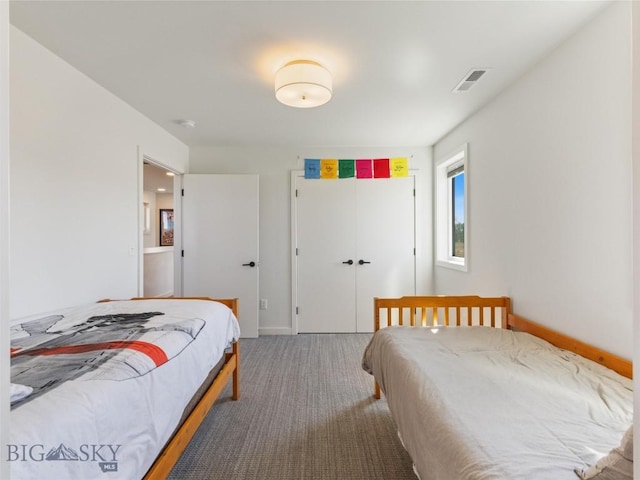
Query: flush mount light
[303, 84]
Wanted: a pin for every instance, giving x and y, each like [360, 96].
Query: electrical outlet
[263, 304]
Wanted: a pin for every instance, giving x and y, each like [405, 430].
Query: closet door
[385, 211]
[326, 225]
[343, 220]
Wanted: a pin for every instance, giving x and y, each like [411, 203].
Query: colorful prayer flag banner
[346, 169]
[364, 169]
[329, 168]
[381, 168]
[311, 168]
[399, 167]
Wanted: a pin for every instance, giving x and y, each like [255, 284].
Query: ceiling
[394, 63]
[155, 177]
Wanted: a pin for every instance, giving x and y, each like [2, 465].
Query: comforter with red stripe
[46, 352]
[108, 384]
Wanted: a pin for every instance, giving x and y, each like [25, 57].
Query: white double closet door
[355, 240]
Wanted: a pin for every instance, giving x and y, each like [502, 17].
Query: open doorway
[158, 231]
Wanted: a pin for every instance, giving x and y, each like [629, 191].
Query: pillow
[18, 392]
[616, 465]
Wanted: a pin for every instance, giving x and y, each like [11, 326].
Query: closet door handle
[348, 262]
[250, 264]
[362, 262]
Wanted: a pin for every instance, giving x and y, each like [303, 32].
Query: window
[452, 229]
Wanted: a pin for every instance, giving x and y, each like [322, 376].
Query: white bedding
[111, 423]
[478, 403]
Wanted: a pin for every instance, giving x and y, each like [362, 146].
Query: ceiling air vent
[470, 79]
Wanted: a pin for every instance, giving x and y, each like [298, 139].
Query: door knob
[348, 262]
[250, 264]
[362, 262]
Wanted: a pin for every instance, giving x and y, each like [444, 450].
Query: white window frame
[444, 214]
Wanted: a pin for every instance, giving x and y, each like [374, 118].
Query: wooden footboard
[176, 445]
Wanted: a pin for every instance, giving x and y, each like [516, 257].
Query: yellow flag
[399, 167]
[329, 168]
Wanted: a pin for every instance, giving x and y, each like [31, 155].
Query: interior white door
[220, 241]
[337, 221]
[385, 243]
[325, 219]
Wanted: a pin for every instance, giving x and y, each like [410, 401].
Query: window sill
[453, 265]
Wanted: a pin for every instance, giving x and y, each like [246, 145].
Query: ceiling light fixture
[303, 84]
[186, 123]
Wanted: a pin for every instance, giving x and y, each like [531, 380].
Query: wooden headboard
[614, 362]
[441, 310]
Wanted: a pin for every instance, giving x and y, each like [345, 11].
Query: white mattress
[116, 418]
[478, 403]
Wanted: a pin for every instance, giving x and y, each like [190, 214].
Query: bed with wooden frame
[516, 400]
[184, 318]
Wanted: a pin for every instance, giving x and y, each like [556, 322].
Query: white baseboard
[274, 331]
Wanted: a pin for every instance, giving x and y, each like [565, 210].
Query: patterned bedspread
[99, 389]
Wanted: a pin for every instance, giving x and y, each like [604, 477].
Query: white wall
[274, 166]
[150, 237]
[636, 221]
[75, 179]
[164, 200]
[4, 233]
[550, 189]
[158, 272]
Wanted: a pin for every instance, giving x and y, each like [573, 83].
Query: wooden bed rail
[618, 364]
[171, 453]
[441, 310]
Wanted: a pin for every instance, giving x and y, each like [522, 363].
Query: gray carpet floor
[306, 411]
